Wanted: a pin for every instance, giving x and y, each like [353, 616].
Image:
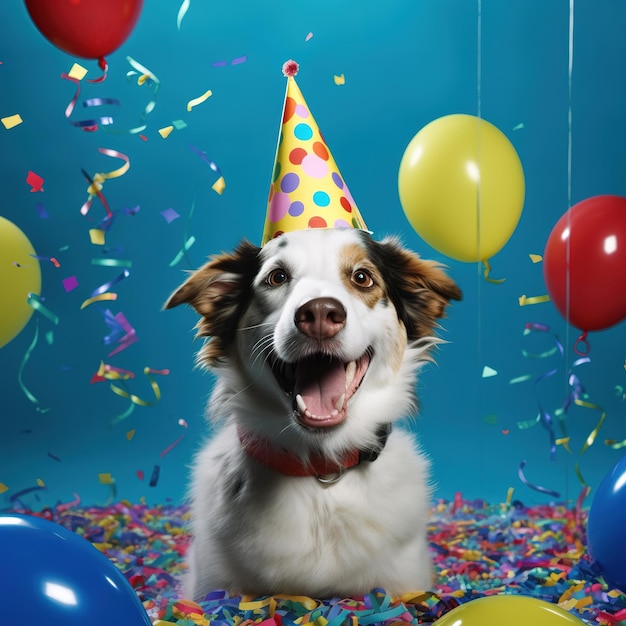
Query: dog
[315, 340]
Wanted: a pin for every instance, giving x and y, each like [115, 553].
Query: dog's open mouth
[321, 386]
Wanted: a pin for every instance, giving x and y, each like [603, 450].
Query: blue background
[406, 63]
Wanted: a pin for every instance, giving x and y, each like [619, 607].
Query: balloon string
[20, 372]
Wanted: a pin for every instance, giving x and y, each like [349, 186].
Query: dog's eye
[277, 277]
[362, 278]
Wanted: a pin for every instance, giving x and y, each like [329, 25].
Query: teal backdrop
[550, 74]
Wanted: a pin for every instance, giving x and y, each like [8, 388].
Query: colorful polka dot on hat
[307, 189]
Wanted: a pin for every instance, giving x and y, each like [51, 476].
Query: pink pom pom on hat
[307, 189]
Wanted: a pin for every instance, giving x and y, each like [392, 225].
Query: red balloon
[90, 29]
[584, 263]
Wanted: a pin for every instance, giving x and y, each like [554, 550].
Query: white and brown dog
[316, 340]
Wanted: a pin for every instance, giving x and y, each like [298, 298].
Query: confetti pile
[479, 550]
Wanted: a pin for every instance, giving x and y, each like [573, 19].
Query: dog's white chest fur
[259, 532]
[316, 340]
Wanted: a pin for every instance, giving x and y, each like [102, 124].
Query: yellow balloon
[20, 275]
[509, 610]
[461, 186]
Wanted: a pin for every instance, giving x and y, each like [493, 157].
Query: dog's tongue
[320, 380]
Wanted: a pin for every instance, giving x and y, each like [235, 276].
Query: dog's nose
[321, 318]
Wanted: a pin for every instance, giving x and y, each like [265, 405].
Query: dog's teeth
[350, 372]
[339, 403]
[301, 404]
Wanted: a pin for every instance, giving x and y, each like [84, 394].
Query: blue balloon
[606, 527]
[52, 576]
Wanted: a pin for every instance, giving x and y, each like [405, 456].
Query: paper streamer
[15, 497]
[183, 423]
[99, 298]
[487, 271]
[525, 301]
[155, 388]
[182, 252]
[91, 124]
[539, 488]
[144, 77]
[95, 184]
[107, 286]
[20, 372]
[182, 11]
[36, 303]
[199, 100]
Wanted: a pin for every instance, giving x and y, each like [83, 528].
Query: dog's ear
[219, 291]
[419, 289]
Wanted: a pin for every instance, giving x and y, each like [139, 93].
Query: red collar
[289, 464]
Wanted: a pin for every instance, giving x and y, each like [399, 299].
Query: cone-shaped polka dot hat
[307, 189]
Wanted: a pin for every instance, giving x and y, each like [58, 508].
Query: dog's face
[318, 329]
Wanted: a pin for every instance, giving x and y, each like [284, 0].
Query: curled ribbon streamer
[108, 372]
[107, 286]
[539, 488]
[98, 298]
[487, 271]
[68, 505]
[122, 416]
[538, 327]
[183, 251]
[95, 186]
[18, 494]
[89, 125]
[20, 371]
[591, 437]
[199, 100]
[576, 396]
[525, 301]
[155, 388]
[145, 76]
[35, 302]
[182, 11]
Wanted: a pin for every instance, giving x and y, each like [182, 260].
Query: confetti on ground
[518, 127]
[488, 372]
[308, 37]
[165, 132]
[35, 181]
[11, 121]
[478, 549]
[339, 79]
[199, 100]
[3, 488]
[536, 258]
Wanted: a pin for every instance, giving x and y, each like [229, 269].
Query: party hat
[307, 189]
